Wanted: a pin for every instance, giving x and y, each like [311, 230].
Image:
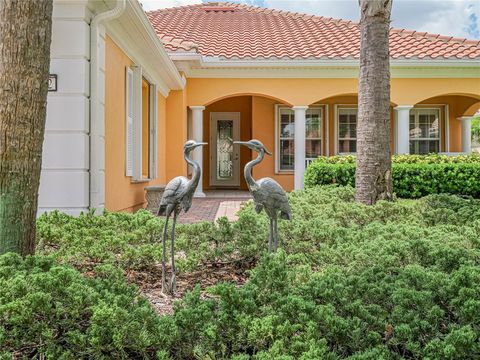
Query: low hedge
[413, 176]
[50, 311]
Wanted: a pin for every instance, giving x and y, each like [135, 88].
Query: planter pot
[153, 195]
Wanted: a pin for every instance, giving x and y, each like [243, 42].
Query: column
[197, 131]
[466, 133]
[299, 145]
[402, 129]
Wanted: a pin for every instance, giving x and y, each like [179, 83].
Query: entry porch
[297, 134]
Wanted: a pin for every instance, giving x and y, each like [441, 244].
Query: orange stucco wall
[243, 105]
[120, 192]
[404, 91]
[176, 134]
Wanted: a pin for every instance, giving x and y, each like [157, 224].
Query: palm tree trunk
[25, 34]
[373, 180]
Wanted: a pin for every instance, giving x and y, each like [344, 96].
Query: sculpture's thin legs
[173, 280]
[164, 245]
[275, 234]
[270, 236]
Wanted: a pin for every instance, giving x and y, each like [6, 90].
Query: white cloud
[459, 18]
[149, 5]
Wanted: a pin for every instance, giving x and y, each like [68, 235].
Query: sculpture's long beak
[267, 152]
[201, 144]
[241, 142]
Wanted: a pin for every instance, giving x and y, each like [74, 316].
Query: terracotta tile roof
[237, 31]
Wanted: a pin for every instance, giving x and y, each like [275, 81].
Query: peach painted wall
[404, 91]
[120, 193]
[176, 128]
[243, 105]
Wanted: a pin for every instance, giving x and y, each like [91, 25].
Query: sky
[459, 18]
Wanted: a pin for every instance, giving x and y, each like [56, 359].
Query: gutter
[97, 129]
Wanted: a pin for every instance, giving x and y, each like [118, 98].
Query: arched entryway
[240, 117]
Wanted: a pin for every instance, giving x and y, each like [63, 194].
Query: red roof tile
[236, 31]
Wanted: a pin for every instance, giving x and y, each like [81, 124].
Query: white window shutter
[137, 123]
[153, 132]
[129, 123]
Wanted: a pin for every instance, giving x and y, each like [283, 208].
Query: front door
[224, 155]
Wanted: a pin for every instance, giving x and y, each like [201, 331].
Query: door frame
[214, 117]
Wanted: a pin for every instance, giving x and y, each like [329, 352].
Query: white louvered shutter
[137, 123]
[129, 123]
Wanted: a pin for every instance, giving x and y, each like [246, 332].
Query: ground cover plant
[413, 176]
[397, 280]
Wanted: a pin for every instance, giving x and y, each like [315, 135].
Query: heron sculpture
[177, 195]
[267, 193]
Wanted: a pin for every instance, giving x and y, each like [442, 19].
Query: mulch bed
[150, 284]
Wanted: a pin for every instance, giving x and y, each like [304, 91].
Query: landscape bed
[397, 280]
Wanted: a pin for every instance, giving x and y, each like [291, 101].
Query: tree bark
[373, 180]
[25, 35]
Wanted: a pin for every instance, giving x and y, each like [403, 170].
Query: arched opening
[339, 123]
[252, 94]
[240, 117]
[440, 117]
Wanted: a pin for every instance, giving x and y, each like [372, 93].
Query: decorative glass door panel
[224, 155]
[224, 150]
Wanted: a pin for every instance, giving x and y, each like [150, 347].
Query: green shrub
[394, 280]
[397, 280]
[133, 241]
[413, 176]
[53, 311]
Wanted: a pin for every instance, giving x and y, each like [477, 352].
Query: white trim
[335, 131]
[339, 107]
[402, 129]
[137, 38]
[277, 107]
[447, 128]
[197, 134]
[198, 66]
[439, 138]
[326, 72]
[327, 135]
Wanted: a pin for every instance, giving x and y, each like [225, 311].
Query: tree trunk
[373, 180]
[25, 34]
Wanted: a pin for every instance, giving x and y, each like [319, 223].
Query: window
[347, 130]
[286, 136]
[140, 127]
[424, 131]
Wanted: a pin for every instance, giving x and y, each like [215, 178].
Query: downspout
[97, 148]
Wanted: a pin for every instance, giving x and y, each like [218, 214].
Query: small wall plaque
[52, 82]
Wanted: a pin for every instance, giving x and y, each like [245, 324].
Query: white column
[466, 133]
[197, 132]
[299, 145]
[402, 129]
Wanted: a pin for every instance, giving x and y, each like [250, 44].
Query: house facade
[220, 72]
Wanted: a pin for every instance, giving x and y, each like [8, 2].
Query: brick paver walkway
[209, 209]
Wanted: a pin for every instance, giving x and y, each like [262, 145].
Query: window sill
[141, 181]
[284, 172]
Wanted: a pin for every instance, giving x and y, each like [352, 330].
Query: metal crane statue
[267, 193]
[178, 195]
